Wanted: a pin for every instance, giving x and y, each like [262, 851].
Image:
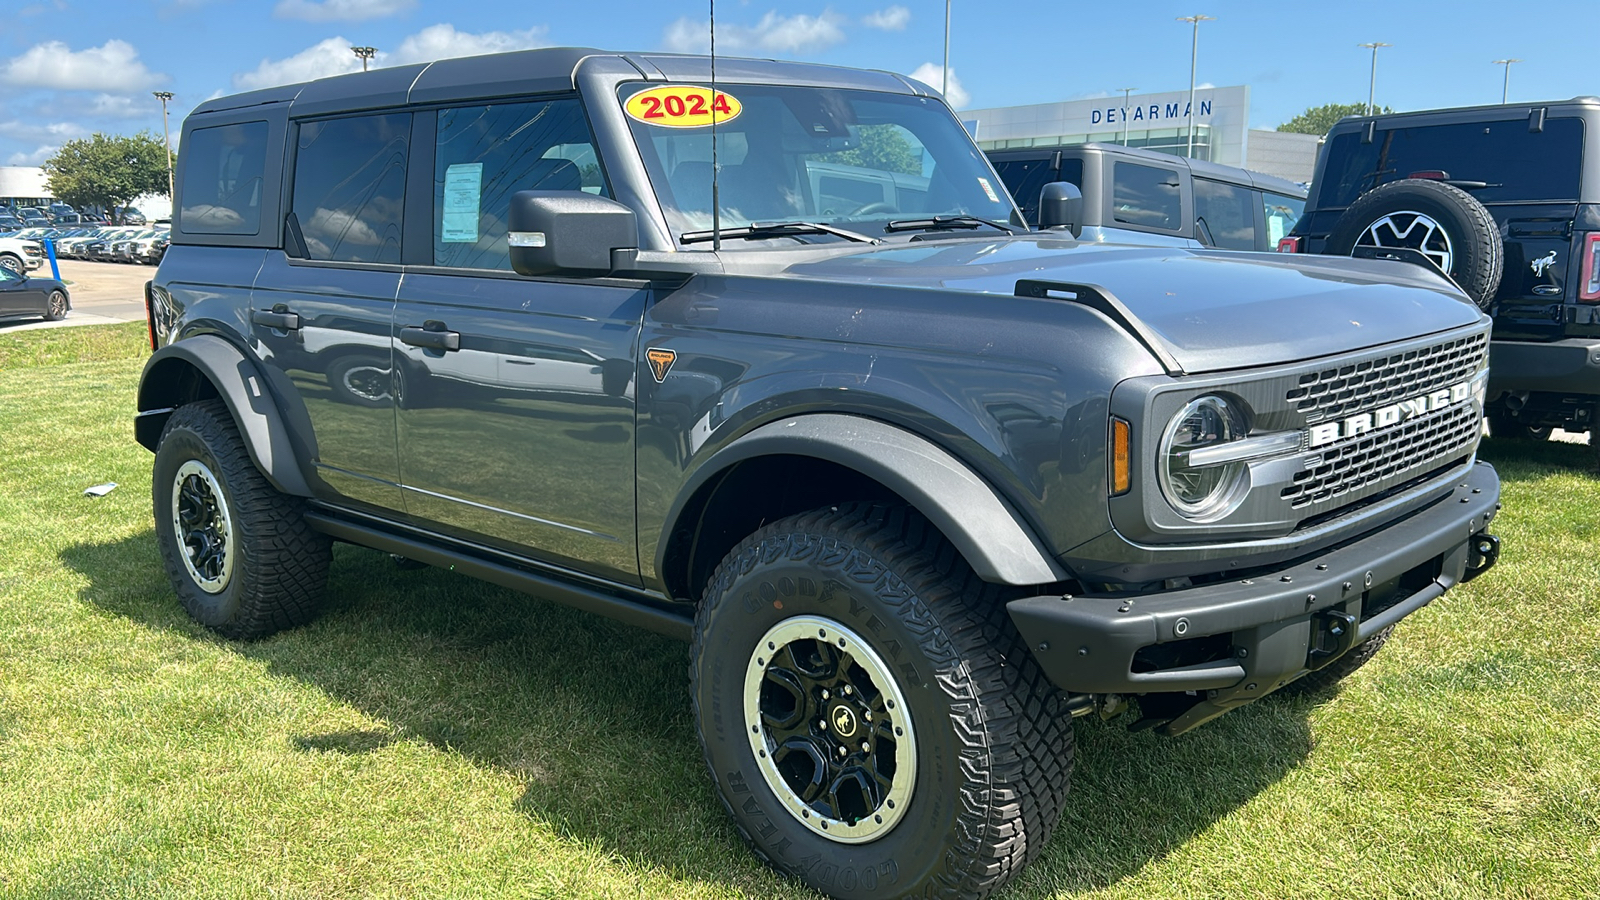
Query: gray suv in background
[918, 484]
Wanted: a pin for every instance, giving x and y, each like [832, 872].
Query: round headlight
[1196, 487]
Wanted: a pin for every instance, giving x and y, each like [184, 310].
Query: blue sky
[72, 67]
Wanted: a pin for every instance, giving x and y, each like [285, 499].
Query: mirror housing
[1061, 206]
[567, 232]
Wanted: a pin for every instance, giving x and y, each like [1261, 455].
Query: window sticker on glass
[682, 106]
[463, 188]
[988, 191]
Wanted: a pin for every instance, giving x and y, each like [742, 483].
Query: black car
[1506, 200]
[917, 483]
[32, 297]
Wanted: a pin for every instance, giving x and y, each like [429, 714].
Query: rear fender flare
[981, 525]
[241, 385]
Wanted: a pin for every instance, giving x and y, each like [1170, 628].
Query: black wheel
[872, 720]
[12, 262]
[241, 556]
[56, 308]
[364, 379]
[1503, 426]
[1443, 223]
[1324, 680]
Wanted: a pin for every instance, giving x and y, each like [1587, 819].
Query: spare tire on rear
[1443, 223]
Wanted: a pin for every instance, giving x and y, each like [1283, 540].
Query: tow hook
[1483, 553]
[1333, 633]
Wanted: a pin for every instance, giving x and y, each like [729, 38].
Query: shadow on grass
[593, 717]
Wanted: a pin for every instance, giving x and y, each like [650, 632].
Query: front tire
[1327, 678]
[241, 557]
[56, 307]
[12, 262]
[873, 722]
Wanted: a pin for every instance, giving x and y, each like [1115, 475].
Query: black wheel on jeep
[874, 724]
[1324, 680]
[241, 557]
[1442, 222]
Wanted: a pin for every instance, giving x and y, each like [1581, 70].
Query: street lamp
[164, 96]
[365, 53]
[944, 80]
[1125, 93]
[1372, 82]
[1505, 86]
[1194, 54]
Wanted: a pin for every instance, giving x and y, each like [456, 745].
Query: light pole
[1125, 93]
[1505, 86]
[1372, 82]
[166, 132]
[1194, 54]
[944, 80]
[365, 53]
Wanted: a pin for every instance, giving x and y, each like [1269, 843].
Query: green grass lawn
[430, 736]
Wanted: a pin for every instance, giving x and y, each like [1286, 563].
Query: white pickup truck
[20, 256]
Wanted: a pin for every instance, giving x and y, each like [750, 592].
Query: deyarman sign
[1155, 112]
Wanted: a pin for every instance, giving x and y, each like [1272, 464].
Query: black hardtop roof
[1203, 168]
[1496, 110]
[534, 72]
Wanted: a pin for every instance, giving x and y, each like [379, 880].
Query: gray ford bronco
[919, 483]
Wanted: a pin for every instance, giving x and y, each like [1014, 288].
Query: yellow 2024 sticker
[681, 106]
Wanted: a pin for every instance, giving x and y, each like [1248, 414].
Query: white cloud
[340, 10]
[890, 18]
[445, 42]
[330, 57]
[774, 33]
[35, 158]
[932, 73]
[29, 132]
[113, 67]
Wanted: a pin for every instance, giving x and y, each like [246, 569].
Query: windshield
[857, 160]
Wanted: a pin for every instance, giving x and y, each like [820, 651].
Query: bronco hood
[1207, 310]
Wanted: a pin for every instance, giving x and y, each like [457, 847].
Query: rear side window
[222, 179]
[1513, 163]
[1228, 212]
[1282, 213]
[485, 154]
[349, 187]
[1146, 195]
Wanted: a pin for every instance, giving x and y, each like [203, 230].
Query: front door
[17, 297]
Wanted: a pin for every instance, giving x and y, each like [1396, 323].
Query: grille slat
[1354, 387]
[1376, 459]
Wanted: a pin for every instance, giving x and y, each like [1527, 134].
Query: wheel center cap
[844, 722]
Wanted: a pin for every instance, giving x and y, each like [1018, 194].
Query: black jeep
[920, 484]
[1503, 198]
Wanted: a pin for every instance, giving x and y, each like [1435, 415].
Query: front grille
[1352, 387]
[1377, 458]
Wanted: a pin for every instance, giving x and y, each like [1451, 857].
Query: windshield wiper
[757, 230]
[943, 223]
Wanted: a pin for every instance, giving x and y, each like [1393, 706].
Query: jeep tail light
[1589, 287]
[1121, 464]
[1289, 245]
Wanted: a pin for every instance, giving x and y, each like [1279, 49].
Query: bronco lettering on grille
[1393, 414]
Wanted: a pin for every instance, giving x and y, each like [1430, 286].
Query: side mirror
[567, 232]
[1061, 206]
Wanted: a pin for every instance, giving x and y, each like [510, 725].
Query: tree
[107, 171]
[882, 147]
[1319, 119]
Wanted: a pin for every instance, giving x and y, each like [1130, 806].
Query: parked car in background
[20, 255]
[28, 297]
[9, 222]
[1144, 197]
[1506, 200]
[32, 217]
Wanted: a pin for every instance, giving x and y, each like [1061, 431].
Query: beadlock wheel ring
[203, 526]
[830, 729]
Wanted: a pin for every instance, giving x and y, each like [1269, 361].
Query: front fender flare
[241, 386]
[981, 525]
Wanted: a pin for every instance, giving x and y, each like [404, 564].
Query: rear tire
[809, 630]
[242, 559]
[1444, 222]
[1504, 427]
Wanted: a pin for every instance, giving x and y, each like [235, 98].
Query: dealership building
[1220, 117]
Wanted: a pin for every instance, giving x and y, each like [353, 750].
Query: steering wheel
[877, 206]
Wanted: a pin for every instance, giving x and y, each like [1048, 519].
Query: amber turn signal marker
[1121, 465]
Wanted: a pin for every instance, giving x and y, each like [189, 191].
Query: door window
[1228, 212]
[1147, 196]
[349, 187]
[485, 154]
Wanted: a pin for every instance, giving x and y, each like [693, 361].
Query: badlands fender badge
[660, 362]
[1386, 416]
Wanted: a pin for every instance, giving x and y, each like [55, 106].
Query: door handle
[278, 317]
[431, 335]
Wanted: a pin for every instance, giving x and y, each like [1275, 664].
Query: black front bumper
[1259, 633]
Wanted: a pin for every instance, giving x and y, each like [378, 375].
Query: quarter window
[349, 187]
[1228, 212]
[1282, 213]
[487, 153]
[222, 177]
[1147, 196]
